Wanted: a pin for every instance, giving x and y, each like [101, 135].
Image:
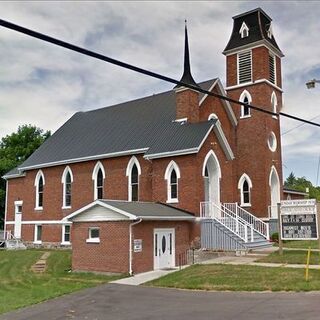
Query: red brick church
[132, 186]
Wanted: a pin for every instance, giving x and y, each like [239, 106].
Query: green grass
[292, 257]
[240, 278]
[21, 287]
[301, 244]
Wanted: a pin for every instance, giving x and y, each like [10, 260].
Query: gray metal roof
[258, 23]
[144, 125]
[149, 209]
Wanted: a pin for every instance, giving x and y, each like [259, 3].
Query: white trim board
[40, 222]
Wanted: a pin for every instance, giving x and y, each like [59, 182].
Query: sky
[44, 85]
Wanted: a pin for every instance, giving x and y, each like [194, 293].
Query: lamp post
[312, 83]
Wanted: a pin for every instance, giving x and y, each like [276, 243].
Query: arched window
[39, 184]
[246, 99]
[98, 176]
[172, 175]
[244, 30]
[134, 185]
[133, 172]
[67, 180]
[274, 104]
[245, 186]
[100, 184]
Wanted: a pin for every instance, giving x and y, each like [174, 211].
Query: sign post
[279, 228]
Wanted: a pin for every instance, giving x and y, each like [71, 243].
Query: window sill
[245, 117]
[65, 243]
[245, 205]
[66, 208]
[38, 208]
[172, 201]
[275, 117]
[37, 242]
[93, 240]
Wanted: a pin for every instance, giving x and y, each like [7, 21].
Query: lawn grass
[292, 257]
[240, 278]
[301, 244]
[21, 287]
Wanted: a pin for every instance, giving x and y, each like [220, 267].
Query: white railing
[226, 218]
[258, 225]
[6, 235]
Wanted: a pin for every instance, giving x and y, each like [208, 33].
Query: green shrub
[275, 237]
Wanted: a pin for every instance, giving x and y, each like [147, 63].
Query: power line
[300, 125]
[125, 65]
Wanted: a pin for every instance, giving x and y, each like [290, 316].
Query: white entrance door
[17, 221]
[164, 248]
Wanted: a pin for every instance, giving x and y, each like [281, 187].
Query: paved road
[122, 302]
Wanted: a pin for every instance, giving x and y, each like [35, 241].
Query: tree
[301, 184]
[14, 149]
[290, 180]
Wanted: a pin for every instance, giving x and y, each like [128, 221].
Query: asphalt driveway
[123, 302]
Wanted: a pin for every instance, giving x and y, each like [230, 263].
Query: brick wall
[253, 154]
[112, 253]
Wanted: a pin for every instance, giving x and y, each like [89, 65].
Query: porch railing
[258, 225]
[226, 218]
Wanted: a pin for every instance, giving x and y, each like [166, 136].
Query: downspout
[130, 244]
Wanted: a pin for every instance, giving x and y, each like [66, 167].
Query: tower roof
[260, 31]
[187, 76]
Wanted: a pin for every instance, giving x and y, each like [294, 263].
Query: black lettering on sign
[298, 226]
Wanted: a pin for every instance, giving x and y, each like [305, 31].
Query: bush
[275, 237]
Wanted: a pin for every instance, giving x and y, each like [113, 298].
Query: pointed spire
[186, 77]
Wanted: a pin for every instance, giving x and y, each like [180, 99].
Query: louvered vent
[244, 67]
[272, 73]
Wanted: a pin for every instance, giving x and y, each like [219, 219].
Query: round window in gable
[272, 142]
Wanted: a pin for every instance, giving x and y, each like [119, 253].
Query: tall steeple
[186, 77]
[187, 99]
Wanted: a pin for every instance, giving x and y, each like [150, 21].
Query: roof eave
[254, 44]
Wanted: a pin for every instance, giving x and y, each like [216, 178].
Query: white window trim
[242, 179]
[35, 241]
[270, 31]
[238, 78]
[66, 243]
[93, 240]
[98, 166]
[167, 176]
[243, 28]
[274, 104]
[17, 204]
[245, 94]
[63, 181]
[132, 161]
[36, 184]
[274, 148]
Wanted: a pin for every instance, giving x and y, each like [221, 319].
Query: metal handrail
[258, 225]
[211, 210]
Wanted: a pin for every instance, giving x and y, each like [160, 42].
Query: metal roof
[149, 209]
[144, 125]
[258, 23]
[134, 211]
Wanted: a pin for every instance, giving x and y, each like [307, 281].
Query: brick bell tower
[254, 76]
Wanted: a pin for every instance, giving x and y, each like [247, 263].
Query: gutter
[130, 244]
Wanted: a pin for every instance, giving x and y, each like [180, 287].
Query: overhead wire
[72, 47]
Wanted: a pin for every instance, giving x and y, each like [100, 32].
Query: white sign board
[137, 245]
[298, 220]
